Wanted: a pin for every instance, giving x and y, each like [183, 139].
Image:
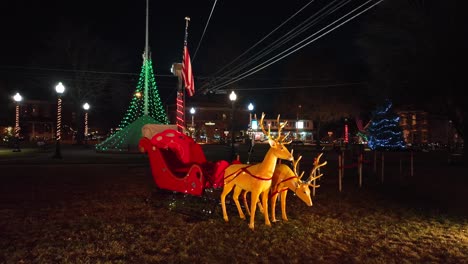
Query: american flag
[187, 73]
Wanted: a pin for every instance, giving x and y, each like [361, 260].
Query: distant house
[38, 120]
[420, 127]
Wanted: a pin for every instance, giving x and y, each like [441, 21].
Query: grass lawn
[116, 214]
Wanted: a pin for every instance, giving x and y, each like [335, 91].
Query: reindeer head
[302, 188]
[277, 145]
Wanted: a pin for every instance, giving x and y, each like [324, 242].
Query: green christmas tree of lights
[384, 132]
[126, 138]
[136, 108]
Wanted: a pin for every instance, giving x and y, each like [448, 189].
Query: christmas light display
[141, 111]
[137, 104]
[17, 99]
[384, 132]
[145, 108]
[86, 108]
[60, 89]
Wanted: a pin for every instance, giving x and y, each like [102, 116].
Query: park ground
[91, 207]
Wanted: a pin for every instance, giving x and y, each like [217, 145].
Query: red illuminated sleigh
[179, 164]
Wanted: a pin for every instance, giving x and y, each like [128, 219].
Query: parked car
[297, 143]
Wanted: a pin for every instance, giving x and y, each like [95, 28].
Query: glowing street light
[233, 98]
[192, 111]
[192, 128]
[250, 132]
[250, 107]
[18, 98]
[60, 89]
[86, 108]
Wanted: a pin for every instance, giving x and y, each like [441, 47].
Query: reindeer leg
[227, 189]
[253, 207]
[244, 197]
[235, 197]
[273, 206]
[283, 205]
[265, 206]
[260, 207]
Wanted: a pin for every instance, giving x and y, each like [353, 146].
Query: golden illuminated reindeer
[255, 179]
[284, 179]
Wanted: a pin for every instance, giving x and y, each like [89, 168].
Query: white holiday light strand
[17, 127]
[59, 117]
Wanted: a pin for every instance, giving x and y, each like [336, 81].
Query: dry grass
[90, 215]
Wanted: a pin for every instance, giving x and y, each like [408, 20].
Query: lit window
[254, 124]
[300, 125]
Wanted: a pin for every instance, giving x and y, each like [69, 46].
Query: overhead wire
[281, 56]
[262, 65]
[299, 86]
[287, 37]
[203, 34]
[79, 71]
[261, 40]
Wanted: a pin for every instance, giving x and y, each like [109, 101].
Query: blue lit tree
[384, 131]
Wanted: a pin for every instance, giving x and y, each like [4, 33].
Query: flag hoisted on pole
[187, 73]
[186, 85]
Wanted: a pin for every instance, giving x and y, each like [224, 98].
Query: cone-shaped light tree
[384, 131]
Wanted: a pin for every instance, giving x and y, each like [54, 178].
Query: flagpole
[187, 19]
[181, 93]
[145, 62]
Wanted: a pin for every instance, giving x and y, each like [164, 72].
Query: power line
[269, 34]
[292, 34]
[274, 60]
[206, 26]
[302, 86]
[80, 71]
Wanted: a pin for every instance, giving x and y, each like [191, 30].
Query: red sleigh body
[179, 164]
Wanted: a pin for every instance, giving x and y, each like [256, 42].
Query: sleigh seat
[179, 164]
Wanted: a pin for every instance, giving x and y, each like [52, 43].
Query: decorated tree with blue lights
[384, 131]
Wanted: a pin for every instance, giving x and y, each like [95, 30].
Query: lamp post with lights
[18, 98]
[250, 107]
[233, 98]
[59, 89]
[192, 112]
[86, 108]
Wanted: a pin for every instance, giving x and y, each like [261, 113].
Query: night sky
[334, 65]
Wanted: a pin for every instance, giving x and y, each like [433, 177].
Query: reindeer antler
[280, 128]
[316, 160]
[263, 128]
[295, 163]
[313, 175]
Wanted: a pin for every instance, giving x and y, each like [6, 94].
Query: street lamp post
[250, 107]
[59, 89]
[250, 132]
[86, 108]
[192, 111]
[17, 97]
[233, 98]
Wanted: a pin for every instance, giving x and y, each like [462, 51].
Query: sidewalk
[71, 154]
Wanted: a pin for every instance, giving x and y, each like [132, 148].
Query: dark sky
[234, 27]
